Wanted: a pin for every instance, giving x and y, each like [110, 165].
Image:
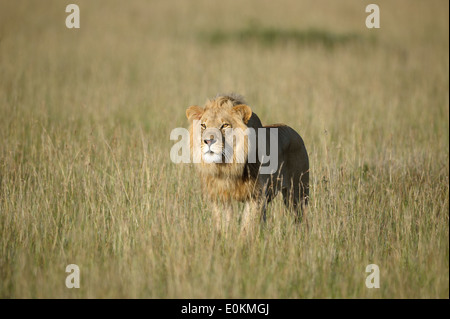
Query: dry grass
[85, 173]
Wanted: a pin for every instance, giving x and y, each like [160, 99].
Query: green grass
[86, 176]
[272, 36]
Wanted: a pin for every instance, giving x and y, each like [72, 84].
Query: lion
[228, 175]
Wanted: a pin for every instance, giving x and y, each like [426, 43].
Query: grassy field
[86, 176]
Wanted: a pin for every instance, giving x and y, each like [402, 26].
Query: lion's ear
[243, 110]
[194, 112]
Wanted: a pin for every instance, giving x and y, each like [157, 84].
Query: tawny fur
[224, 182]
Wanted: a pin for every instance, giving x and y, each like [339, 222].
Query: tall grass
[86, 177]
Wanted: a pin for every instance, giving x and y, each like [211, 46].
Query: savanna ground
[86, 177]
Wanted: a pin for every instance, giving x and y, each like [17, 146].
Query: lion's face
[221, 126]
[214, 128]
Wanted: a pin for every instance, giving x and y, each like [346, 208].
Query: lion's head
[222, 124]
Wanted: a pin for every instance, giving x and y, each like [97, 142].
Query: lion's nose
[209, 142]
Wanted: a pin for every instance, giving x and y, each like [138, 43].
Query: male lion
[227, 176]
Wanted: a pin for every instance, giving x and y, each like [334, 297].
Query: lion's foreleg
[222, 213]
[251, 215]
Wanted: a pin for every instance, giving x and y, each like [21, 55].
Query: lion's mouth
[211, 157]
[209, 153]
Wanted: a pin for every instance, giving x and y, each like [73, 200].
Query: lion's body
[243, 181]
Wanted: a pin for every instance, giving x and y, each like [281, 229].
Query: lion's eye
[225, 125]
[203, 125]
